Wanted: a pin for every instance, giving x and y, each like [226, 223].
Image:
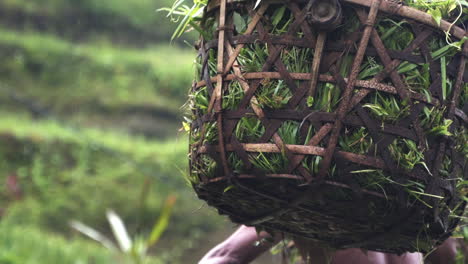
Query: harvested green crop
[302, 120]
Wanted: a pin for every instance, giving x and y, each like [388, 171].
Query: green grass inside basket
[387, 108]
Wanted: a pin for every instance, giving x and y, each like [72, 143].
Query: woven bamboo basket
[296, 168]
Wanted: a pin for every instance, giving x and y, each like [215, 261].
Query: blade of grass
[161, 224]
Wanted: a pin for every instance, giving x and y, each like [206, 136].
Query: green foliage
[188, 16]
[270, 162]
[289, 132]
[438, 9]
[236, 163]
[69, 174]
[273, 94]
[30, 245]
[387, 108]
[356, 141]
[253, 57]
[205, 166]
[211, 133]
[297, 59]
[312, 164]
[136, 11]
[369, 69]
[90, 62]
[434, 122]
[232, 96]
[71, 75]
[189, 13]
[97, 140]
[249, 129]
[120, 19]
[406, 153]
[201, 99]
[379, 181]
[395, 35]
[327, 97]
[134, 249]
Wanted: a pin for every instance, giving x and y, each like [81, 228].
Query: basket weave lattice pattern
[324, 189]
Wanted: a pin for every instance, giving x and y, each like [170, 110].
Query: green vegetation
[95, 84]
[135, 11]
[133, 248]
[189, 15]
[157, 76]
[387, 109]
[129, 22]
[404, 155]
[29, 245]
[91, 95]
[60, 169]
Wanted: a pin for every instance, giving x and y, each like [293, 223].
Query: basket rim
[385, 6]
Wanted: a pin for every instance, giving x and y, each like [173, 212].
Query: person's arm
[239, 248]
[445, 253]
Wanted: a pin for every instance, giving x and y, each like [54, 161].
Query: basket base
[345, 220]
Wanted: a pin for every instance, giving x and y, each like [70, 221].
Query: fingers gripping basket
[338, 121]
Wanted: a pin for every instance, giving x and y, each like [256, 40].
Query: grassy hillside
[112, 72]
[64, 173]
[89, 81]
[30, 246]
[128, 22]
[90, 105]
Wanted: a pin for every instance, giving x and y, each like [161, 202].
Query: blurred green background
[90, 110]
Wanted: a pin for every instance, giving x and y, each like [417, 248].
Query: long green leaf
[278, 15]
[161, 225]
